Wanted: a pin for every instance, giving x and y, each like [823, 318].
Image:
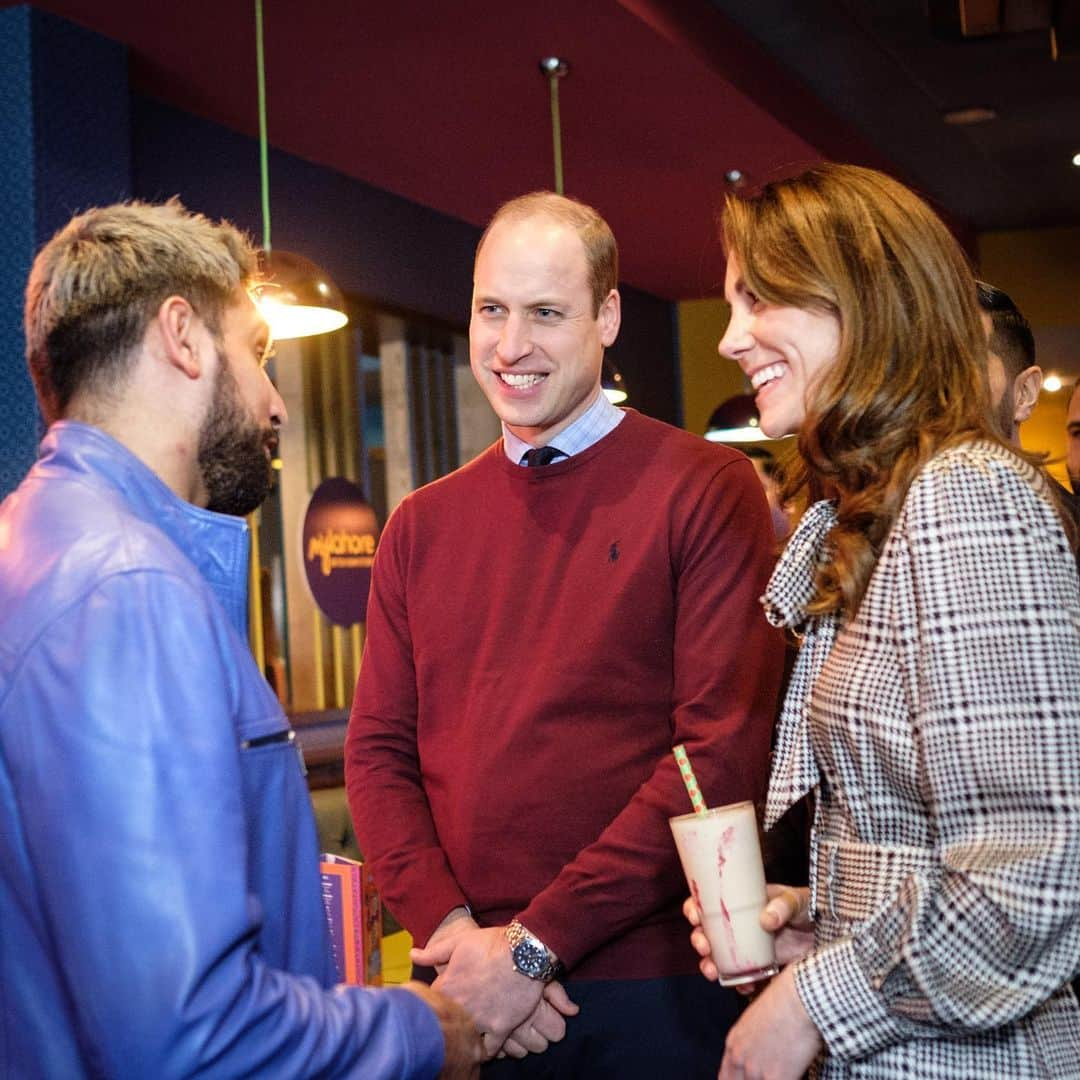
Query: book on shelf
[353, 915]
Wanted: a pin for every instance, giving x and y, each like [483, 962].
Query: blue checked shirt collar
[598, 420]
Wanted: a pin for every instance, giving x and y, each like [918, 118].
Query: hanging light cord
[556, 131]
[264, 165]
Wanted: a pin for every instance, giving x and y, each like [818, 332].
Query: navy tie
[541, 455]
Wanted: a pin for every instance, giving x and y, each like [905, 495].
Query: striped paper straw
[697, 801]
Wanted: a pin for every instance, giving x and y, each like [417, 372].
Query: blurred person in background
[1015, 379]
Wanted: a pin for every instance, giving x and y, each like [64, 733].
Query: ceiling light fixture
[735, 421]
[1076, 160]
[971, 114]
[296, 297]
[1052, 384]
[612, 383]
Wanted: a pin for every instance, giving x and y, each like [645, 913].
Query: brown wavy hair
[910, 377]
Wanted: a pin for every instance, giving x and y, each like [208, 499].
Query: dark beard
[233, 458]
[1005, 413]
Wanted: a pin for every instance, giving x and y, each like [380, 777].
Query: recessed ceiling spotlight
[972, 114]
[1076, 159]
[734, 176]
[1052, 384]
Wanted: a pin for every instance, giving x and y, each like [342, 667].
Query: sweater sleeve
[727, 670]
[991, 649]
[123, 742]
[382, 765]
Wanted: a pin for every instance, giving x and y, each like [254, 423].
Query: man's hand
[458, 921]
[774, 1039]
[464, 1047]
[476, 970]
[545, 1026]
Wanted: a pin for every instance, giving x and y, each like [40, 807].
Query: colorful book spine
[353, 916]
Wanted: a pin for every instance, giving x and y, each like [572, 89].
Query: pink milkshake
[721, 858]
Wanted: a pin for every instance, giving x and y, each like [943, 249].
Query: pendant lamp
[735, 421]
[612, 383]
[296, 297]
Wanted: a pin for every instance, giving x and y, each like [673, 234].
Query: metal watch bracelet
[530, 956]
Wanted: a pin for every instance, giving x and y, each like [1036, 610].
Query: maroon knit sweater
[537, 641]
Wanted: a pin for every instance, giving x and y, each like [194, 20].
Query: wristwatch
[531, 956]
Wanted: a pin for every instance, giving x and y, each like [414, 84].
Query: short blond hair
[601, 251]
[96, 285]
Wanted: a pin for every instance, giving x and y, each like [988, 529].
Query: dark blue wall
[18, 413]
[64, 145]
[82, 139]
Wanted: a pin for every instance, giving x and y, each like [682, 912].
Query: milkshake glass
[721, 857]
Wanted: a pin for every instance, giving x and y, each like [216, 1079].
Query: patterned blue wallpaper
[65, 144]
[18, 410]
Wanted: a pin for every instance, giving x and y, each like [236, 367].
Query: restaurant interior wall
[376, 245]
[78, 137]
[707, 377]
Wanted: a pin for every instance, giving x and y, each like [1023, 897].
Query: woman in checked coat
[935, 704]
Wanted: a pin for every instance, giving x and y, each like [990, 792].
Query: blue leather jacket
[160, 907]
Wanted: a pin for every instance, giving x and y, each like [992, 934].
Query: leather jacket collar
[216, 543]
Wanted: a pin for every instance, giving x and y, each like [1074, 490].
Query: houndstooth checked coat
[941, 727]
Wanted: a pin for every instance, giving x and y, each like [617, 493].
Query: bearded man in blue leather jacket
[160, 908]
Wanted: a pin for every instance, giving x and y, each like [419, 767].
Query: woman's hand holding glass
[787, 915]
[775, 1036]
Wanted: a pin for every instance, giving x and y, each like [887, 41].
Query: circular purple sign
[339, 540]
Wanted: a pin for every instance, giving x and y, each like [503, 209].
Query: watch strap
[519, 937]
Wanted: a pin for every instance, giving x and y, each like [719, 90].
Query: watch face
[529, 959]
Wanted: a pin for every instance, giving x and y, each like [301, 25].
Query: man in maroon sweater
[538, 640]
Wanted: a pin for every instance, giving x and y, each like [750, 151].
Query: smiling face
[783, 351]
[238, 437]
[535, 343]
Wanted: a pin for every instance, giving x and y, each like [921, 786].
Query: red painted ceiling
[444, 103]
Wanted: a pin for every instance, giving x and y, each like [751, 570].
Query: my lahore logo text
[340, 550]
